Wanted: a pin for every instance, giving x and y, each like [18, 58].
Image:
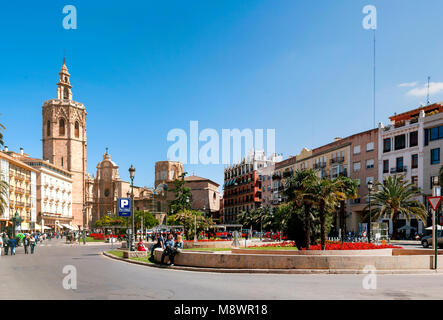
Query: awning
[67, 226]
[46, 228]
[24, 226]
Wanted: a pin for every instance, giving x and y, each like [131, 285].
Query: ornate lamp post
[16, 219]
[131, 175]
[370, 187]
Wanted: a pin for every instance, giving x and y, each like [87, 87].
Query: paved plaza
[40, 276]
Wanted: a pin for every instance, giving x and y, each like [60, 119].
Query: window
[413, 139]
[370, 146]
[77, 130]
[387, 145]
[435, 156]
[414, 161]
[357, 166]
[48, 128]
[385, 166]
[356, 149]
[414, 180]
[400, 142]
[370, 164]
[369, 179]
[62, 162]
[433, 134]
[399, 163]
[65, 93]
[61, 127]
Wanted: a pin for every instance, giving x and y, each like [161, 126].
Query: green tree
[183, 196]
[2, 128]
[187, 219]
[326, 203]
[397, 196]
[110, 220]
[282, 215]
[149, 220]
[345, 189]
[301, 188]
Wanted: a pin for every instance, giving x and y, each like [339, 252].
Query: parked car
[426, 241]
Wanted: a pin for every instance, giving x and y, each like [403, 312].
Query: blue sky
[143, 68]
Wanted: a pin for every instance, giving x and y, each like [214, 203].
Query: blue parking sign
[124, 207]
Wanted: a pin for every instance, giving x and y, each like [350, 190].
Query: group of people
[9, 243]
[169, 242]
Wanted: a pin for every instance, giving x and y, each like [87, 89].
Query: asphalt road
[40, 276]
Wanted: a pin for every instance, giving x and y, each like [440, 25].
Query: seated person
[168, 248]
[159, 244]
[141, 246]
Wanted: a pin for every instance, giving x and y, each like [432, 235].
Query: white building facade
[401, 153]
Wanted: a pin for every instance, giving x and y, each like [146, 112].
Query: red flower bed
[207, 240]
[275, 245]
[352, 246]
[101, 236]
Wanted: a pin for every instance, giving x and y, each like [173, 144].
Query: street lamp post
[370, 187]
[128, 242]
[131, 175]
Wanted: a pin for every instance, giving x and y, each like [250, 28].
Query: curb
[277, 271]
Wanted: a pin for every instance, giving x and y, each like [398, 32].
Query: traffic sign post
[124, 207]
[435, 204]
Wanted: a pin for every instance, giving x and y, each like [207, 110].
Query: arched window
[65, 93]
[77, 130]
[61, 127]
[48, 128]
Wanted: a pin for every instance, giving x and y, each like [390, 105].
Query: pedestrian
[1, 244]
[32, 243]
[6, 244]
[12, 244]
[26, 244]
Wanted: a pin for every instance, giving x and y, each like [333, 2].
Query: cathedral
[65, 146]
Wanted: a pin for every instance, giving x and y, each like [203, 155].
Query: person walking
[26, 244]
[32, 243]
[1, 245]
[12, 244]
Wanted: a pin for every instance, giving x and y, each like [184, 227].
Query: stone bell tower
[64, 139]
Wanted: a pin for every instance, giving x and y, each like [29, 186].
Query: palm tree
[301, 188]
[3, 195]
[397, 196]
[326, 202]
[1, 134]
[345, 189]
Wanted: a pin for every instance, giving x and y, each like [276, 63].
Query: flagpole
[374, 74]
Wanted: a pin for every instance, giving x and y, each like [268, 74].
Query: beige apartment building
[22, 198]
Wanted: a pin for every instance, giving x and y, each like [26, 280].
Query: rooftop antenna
[427, 100]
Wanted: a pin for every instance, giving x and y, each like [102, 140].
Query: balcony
[338, 160]
[276, 176]
[399, 169]
[19, 204]
[19, 190]
[20, 177]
